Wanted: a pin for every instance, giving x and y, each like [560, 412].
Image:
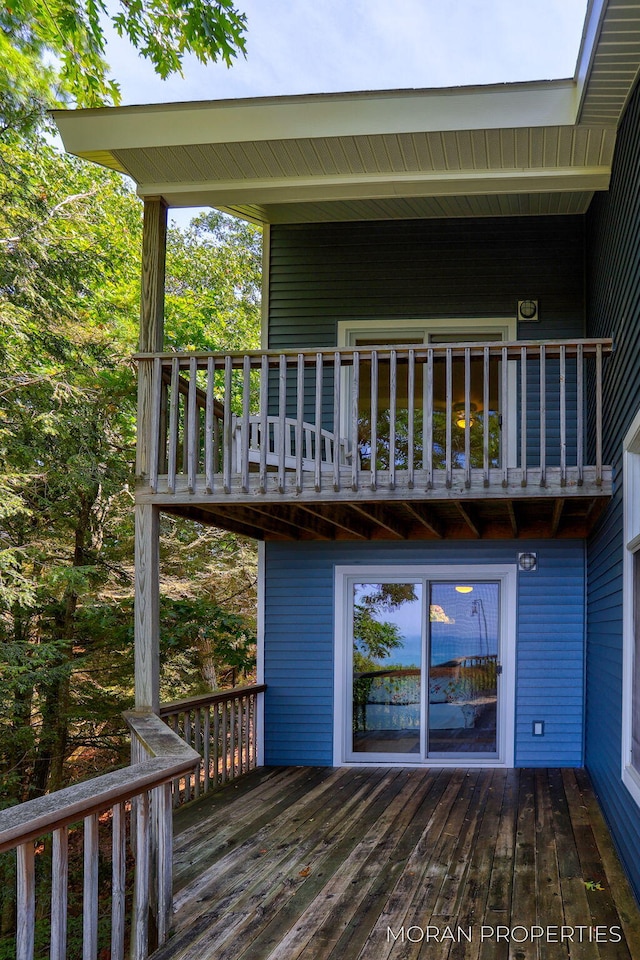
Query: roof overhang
[464, 151]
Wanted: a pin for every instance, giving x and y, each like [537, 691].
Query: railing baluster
[90, 889]
[216, 742]
[209, 439]
[523, 416]
[337, 442]
[174, 406]
[225, 741]
[355, 418]
[187, 739]
[118, 880]
[318, 424]
[246, 411]
[563, 416]
[427, 421]
[162, 801]
[247, 733]
[411, 386]
[374, 420]
[197, 746]
[467, 417]
[227, 439]
[140, 933]
[192, 420]
[543, 415]
[299, 420]
[206, 758]
[580, 413]
[486, 374]
[505, 421]
[449, 416]
[59, 893]
[26, 902]
[393, 412]
[263, 435]
[232, 739]
[282, 421]
[599, 414]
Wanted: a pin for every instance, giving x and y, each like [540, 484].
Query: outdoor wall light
[462, 589]
[459, 415]
[528, 562]
[528, 311]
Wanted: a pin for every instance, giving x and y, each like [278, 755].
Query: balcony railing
[441, 419]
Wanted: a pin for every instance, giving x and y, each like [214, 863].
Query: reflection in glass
[387, 655]
[463, 668]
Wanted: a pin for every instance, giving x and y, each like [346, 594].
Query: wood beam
[216, 518]
[467, 516]
[511, 510]
[424, 516]
[146, 607]
[320, 527]
[557, 514]
[267, 521]
[342, 518]
[380, 516]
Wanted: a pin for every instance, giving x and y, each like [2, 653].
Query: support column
[147, 566]
[147, 601]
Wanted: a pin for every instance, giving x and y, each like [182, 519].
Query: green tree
[53, 51]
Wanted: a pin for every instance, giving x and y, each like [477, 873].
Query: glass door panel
[463, 668]
[387, 622]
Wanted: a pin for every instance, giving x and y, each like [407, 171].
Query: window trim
[631, 545]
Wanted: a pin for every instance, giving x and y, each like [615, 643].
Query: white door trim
[506, 575]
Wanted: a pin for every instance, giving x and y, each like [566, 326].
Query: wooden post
[147, 594]
[146, 517]
[154, 243]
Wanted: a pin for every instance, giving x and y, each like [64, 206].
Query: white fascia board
[590, 34]
[548, 103]
[381, 186]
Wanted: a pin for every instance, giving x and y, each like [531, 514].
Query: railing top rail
[28, 821]
[589, 347]
[205, 699]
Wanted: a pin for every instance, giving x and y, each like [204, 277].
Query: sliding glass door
[424, 668]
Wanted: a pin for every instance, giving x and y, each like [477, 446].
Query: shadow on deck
[337, 863]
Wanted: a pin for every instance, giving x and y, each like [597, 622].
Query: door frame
[505, 575]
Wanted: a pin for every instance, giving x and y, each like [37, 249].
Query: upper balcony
[384, 441]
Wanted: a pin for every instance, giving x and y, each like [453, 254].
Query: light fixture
[460, 414]
[462, 589]
[528, 311]
[528, 562]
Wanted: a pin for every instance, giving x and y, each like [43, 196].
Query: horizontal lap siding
[613, 244]
[299, 656]
[395, 270]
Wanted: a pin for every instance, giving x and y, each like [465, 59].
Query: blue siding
[613, 234]
[299, 655]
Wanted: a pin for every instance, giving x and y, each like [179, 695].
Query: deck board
[319, 863]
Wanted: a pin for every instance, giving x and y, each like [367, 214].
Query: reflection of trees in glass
[375, 639]
[476, 437]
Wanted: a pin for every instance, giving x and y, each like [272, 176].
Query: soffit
[609, 60]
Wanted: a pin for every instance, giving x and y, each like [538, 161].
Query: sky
[321, 46]
[324, 46]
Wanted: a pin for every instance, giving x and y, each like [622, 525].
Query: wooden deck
[400, 863]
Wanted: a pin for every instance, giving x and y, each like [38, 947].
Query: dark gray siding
[322, 273]
[299, 655]
[613, 238]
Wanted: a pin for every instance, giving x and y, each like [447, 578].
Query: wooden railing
[134, 804]
[222, 728]
[434, 418]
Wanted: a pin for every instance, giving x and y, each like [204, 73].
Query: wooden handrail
[204, 699]
[514, 347]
